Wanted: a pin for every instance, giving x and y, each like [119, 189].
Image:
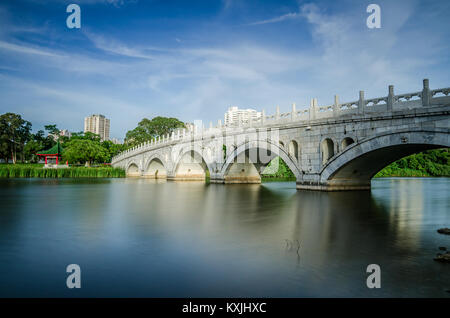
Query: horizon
[132, 59]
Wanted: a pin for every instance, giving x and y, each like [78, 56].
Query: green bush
[38, 171]
[431, 163]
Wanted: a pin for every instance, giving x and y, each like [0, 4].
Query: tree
[84, 151]
[112, 149]
[150, 129]
[52, 129]
[14, 133]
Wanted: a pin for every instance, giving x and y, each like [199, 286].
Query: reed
[38, 171]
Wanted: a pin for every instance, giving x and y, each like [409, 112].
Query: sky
[194, 59]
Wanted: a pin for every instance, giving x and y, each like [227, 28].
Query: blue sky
[194, 59]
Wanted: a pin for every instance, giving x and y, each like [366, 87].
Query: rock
[442, 248]
[444, 258]
[444, 230]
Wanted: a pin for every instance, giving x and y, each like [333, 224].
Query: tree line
[19, 144]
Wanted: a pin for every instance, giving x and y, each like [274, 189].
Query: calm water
[143, 238]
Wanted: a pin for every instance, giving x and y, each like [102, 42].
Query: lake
[149, 238]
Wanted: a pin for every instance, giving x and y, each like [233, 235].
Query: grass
[38, 171]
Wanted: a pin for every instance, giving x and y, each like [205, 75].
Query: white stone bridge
[335, 147]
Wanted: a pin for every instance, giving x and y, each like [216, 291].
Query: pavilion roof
[55, 150]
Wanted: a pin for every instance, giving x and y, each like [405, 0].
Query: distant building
[61, 133]
[97, 124]
[234, 115]
[189, 126]
[116, 141]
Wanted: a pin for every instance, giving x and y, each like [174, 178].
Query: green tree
[112, 149]
[84, 151]
[149, 129]
[14, 133]
[52, 129]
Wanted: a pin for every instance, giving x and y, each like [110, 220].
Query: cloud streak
[284, 17]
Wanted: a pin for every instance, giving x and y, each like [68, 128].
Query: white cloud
[26, 49]
[287, 16]
[200, 81]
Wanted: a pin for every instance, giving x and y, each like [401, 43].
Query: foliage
[277, 168]
[38, 171]
[431, 163]
[84, 151]
[14, 133]
[149, 129]
[112, 149]
[16, 138]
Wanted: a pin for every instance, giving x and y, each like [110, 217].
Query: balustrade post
[312, 109]
[294, 112]
[426, 93]
[391, 98]
[277, 113]
[361, 103]
[336, 106]
[263, 117]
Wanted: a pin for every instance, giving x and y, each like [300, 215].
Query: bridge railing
[391, 102]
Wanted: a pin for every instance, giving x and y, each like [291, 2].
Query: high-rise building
[61, 133]
[116, 141]
[97, 124]
[234, 115]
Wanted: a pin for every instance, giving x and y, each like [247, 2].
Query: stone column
[361, 103]
[294, 112]
[390, 99]
[336, 106]
[312, 109]
[426, 93]
[277, 113]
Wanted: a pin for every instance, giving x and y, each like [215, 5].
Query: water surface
[146, 238]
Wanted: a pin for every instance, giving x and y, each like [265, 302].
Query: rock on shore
[444, 230]
[445, 258]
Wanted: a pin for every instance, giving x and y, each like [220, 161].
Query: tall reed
[38, 171]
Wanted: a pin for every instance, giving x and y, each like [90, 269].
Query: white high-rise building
[97, 124]
[61, 133]
[234, 114]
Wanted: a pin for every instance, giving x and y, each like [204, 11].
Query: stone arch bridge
[335, 147]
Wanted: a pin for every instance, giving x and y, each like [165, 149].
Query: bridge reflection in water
[141, 237]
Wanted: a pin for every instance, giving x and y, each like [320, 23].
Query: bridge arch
[293, 149]
[155, 167]
[347, 141]
[327, 146]
[358, 163]
[190, 165]
[132, 169]
[270, 147]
